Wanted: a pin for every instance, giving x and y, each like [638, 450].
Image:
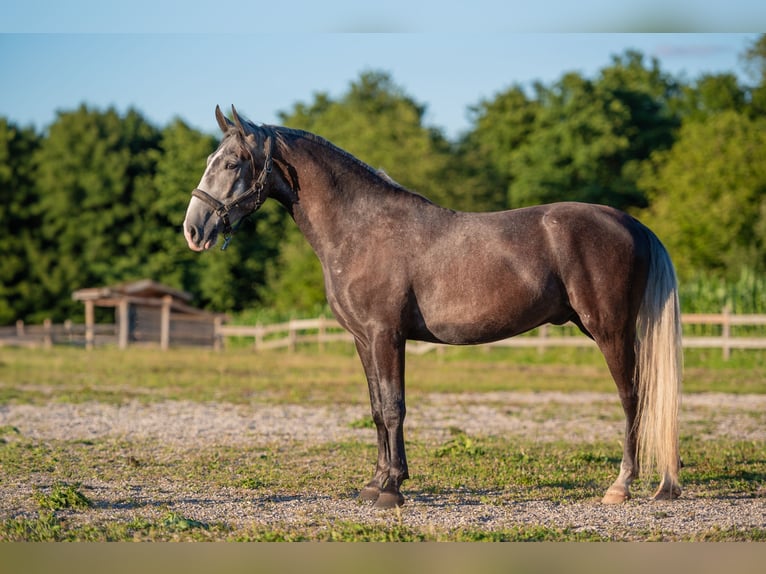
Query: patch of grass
[459, 445]
[8, 431]
[45, 527]
[732, 534]
[62, 496]
[529, 533]
[48, 527]
[175, 522]
[362, 423]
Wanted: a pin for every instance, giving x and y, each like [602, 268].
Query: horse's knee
[393, 414]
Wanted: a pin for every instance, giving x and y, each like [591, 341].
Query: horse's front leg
[382, 356]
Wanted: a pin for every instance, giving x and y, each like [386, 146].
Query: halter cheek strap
[222, 210]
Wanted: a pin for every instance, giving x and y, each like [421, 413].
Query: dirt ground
[580, 417]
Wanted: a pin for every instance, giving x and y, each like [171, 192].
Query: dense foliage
[99, 197]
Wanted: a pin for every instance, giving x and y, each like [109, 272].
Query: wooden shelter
[150, 313]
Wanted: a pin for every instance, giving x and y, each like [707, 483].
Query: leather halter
[222, 210]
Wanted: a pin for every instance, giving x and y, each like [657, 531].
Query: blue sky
[169, 59]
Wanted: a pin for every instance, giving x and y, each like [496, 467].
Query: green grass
[49, 528]
[336, 376]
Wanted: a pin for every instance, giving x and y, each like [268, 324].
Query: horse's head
[232, 186]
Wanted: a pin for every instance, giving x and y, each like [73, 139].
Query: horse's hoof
[369, 493]
[387, 500]
[615, 496]
[665, 493]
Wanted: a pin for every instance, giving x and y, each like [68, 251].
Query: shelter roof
[142, 292]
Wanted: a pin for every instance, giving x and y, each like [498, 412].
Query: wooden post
[292, 336]
[90, 318]
[123, 335]
[543, 336]
[258, 343]
[167, 301]
[68, 330]
[726, 332]
[321, 333]
[217, 335]
[47, 333]
[19, 328]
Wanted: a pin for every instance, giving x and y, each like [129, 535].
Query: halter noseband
[222, 210]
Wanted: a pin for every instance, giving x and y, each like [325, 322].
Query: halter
[222, 210]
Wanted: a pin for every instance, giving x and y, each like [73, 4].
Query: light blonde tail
[660, 366]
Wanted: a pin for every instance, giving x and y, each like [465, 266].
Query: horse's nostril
[192, 231]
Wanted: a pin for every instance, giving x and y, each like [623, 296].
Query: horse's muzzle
[195, 238]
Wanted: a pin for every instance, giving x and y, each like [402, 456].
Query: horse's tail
[659, 365]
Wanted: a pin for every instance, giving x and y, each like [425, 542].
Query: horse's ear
[237, 119]
[244, 127]
[223, 122]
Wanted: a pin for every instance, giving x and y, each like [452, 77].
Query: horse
[398, 267]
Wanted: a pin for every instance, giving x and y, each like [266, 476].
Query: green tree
[90, 169]
[754, 59]
[180, 162]
[590, 136]
[500, 126]
[19, 220]
[710, 94]
[381, 125]
[708, 196]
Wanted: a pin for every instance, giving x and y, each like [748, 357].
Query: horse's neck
[333, 193]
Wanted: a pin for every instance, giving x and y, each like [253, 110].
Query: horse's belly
[470, 321]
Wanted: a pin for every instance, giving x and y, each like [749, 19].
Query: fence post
[68, 330]
[321, 333]
[258, 337]
[167, 301]
[217, 335]
[47, 333]
[292, 336]
[90, 315]
[123, 335]
[542, 336]
[726, 332]
[19, 328]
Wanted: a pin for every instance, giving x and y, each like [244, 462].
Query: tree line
[99, 197]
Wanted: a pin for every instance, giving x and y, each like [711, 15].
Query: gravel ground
[580, 417]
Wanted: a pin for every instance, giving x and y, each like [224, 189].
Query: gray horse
[398, 267]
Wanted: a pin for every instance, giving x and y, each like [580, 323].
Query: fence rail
[322, 330]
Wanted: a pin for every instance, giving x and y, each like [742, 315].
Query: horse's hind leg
[621, 359]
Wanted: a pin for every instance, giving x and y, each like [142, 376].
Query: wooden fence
[322, 330]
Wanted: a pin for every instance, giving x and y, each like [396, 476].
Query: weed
[363, 423]
[62, 496]
[176, 522]
[460, 445]
[253, 483]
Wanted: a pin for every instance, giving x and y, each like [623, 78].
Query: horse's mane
[284, 134]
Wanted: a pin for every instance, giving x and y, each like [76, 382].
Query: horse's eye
[231, 165]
